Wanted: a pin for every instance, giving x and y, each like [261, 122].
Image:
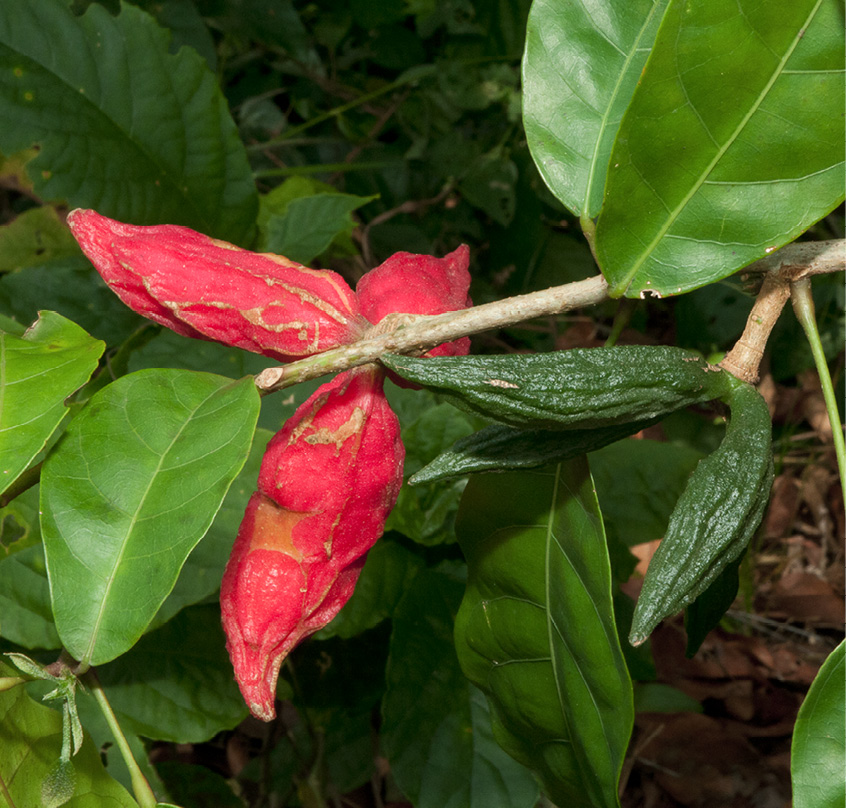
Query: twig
[744, 359]
[416, 333]
[803, 259]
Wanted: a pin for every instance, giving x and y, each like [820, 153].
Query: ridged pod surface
[716, 515]
[577, 389]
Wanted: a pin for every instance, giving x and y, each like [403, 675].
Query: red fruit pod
[419, 284]
[209, 289]
[327, 483]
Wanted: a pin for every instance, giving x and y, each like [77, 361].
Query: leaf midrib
[676, 212]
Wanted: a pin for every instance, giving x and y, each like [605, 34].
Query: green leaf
[310, 224]
[490, 186]
[580, 68]
[536, 628]
[176, 684]
[31, 735]
[38, 372]
[436, 727]
[427, 514]
[638, 483]
[654, 697]
[578, 389]
[816, 756]
[496, 448]
[33, 237]
[123, 126]
[200, 576]
[386, 576]
[129, 491]
[732, 145]
[705, 613]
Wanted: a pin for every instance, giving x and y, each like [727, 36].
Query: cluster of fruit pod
[331, 476]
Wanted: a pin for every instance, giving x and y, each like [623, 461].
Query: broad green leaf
[386, 576]
[129, 491]
[200, 576]
[310, 224]
[583, 388]
[123, 126]
[732, 146]
[536, 628]
[38, 371]
[176, 684]
[819, 745]
[436, 727]
[33, 237]
[497, 448]
[580, 68]
[31, 740]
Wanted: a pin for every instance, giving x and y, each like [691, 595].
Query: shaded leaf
[25, 615]
[536, 628]
[33, 237]
[731, 146]
[580, 69]
[497, 448]
[816, 757]
[38, 371]
[436, 727]
[123, 126]
[176, 684]
[129, 491]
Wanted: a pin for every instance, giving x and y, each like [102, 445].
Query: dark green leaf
[490, 186]
[497, 448]
[32, 742]
[578, 389]
[69, 286]
[581, 65]
[816, 757]
[176, 684]
[427, 514]
[436, 727]
[129, 491]
[536, 628]
[654, 697]
[732, 145]
[123, 126]
[25, 615]
[35, 236]
[310, 224]
[638, 483]
[386, 576]
[38, 371]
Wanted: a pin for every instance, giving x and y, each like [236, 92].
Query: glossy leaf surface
[580, 68]
[31, 736]
[129, 491]
[123, 126]
[38, 371]
[819, 745]
[732, 146]
[536, 629]
[436, 727]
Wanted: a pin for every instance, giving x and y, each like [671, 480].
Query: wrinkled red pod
[419, 284]
[327, 483]
[209, 289]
